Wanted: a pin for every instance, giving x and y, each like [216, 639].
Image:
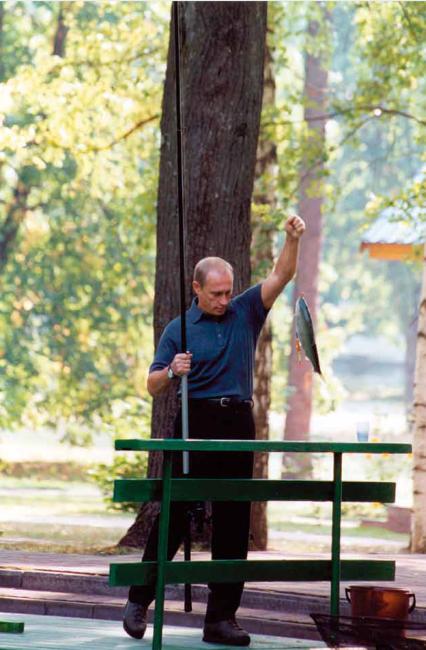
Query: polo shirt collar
[195, 314]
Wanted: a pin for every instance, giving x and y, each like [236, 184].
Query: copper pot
[381, 602]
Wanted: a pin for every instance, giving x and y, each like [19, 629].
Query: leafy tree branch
[377, 109]
[112, 143]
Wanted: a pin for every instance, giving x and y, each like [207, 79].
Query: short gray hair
[207, 264]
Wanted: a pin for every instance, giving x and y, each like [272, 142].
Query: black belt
[224, 402]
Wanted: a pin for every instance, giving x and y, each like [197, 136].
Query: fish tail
[316, 362]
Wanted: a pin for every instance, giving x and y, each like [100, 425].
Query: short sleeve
[166, 349]
[251, 301]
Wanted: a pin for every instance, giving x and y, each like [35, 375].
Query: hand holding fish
[286, 264]
[294, 227]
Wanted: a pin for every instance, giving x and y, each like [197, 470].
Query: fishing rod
[184, 380]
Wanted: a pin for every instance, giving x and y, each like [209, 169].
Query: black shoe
[226, 632]
[134, 619]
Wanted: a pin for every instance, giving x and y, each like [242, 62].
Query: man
[222, 333]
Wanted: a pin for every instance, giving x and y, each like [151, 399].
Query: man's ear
[196, 286]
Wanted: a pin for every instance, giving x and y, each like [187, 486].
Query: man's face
[215, 295]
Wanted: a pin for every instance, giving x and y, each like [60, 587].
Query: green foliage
[131, 466]
[380, 155]
[78, 178]
[79, 151]
[374, 137]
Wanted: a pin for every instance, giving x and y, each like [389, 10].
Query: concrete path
[58, 633]
[410, 569]
[77, 586]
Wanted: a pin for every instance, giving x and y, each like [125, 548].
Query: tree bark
[261, 258]
[15, 215]
[59, 40]
[411, 330]
[222, 53]
[418, 537]
[299, 408]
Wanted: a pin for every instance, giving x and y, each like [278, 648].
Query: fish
[305, 336]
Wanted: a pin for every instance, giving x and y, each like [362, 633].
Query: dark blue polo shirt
[222, 348]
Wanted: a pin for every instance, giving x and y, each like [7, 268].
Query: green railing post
[163, 541]
[335, 534]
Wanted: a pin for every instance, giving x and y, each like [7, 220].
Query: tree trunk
[410, 359]
[297, 423]
[262, 256]
[262, 400]
[15, 215]
[222, 54]
[418, 537]
[60, 33]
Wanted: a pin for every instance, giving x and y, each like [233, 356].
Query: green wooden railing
[169, 489]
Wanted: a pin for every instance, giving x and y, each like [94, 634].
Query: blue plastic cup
[362, 431]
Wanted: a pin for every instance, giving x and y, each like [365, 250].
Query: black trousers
[230, 520]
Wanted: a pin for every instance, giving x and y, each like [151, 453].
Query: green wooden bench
[169, 489]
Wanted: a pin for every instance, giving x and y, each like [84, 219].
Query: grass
[58, 539]
[355, 530]
[65, 516]
[71, 517]
[44, 510]
[42, 471]
[52, 497]
[308, 527]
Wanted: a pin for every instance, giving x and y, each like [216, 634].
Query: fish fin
[298, 349]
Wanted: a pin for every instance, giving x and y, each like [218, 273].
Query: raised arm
[286, 264]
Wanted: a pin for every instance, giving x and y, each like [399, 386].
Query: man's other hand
[181, 364]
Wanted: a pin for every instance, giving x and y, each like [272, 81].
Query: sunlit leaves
[375, 137]
[80, 134]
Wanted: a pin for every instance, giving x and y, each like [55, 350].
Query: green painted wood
[140, 573]
[360, 570]
[164, 572]
[335, 535]
[141, 490]
[163, 536]
[11, 627]
[169, 444]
